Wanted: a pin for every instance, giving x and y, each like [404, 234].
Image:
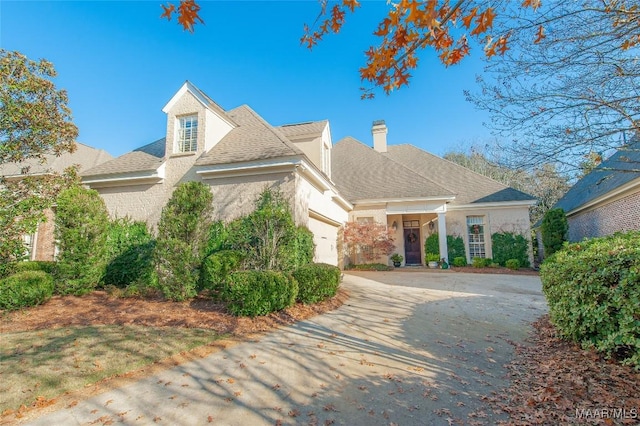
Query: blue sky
[120, 64]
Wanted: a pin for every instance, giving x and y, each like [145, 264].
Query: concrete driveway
[408, 348]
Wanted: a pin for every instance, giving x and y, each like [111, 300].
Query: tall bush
[81, 226]
[455, 246]
[507, 245]
[183, 233]
[267, 235]
[129, 254]
[593, 292]
[554, 230]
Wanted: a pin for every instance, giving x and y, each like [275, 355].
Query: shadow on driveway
[405, 350]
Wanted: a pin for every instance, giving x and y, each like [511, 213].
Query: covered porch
[412, 224]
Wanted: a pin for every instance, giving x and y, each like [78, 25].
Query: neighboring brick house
[417, 194]
[238, 154]
[606, 200]
[41, 244]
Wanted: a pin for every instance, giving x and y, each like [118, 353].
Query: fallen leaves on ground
[557, 382]
[98, 308]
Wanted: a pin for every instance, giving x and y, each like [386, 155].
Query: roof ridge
[273, 130]
[437, 185]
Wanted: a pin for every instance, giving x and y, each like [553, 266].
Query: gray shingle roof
[254, 139]
[301, 129]
[619, 169]
[360, 173]
[84, 156]
[145, 158]
[469, 187]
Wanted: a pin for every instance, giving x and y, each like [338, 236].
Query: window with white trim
[475, 229]
[187, 134]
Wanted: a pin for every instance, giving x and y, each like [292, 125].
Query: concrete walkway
[408, 348]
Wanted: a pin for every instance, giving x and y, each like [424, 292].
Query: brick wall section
[45, 242]
[620, 215]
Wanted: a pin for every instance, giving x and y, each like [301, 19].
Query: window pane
[475, 231]
[187, 134]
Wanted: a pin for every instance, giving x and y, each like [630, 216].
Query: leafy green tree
[82, 225]
[183, 234]
[35, 122]
[554, 230]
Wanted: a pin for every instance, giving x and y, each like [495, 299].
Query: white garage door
[324, 237]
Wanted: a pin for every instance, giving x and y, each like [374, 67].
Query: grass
[48, 363]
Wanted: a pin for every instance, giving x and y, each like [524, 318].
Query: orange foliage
[188, 13]
[409, 27]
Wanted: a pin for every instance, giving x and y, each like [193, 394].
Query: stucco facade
[238, 155]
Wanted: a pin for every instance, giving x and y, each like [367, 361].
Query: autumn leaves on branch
[409, 27]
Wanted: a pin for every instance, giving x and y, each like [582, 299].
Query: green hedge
[593, 292]
[507, 246]
[459, 261]
[316, 282]
[81, 226]
[253, 293]
[23, 289]
[513, 264]
[369, 267]
[130, 255]
[455, 246]
[217, 267]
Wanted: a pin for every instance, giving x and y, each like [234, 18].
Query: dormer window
[187, 140]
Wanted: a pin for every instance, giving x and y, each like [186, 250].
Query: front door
[412, 245]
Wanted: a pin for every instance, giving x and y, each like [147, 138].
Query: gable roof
[618, 170]
[302, 129]
[200, 96]
[253, 139]
[361, 173]
[470, 187]
[84, 156]
[145, 158]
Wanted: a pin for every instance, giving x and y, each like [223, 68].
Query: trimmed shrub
[253, 293]
[455, 246]
[81, 231]
[480, 262]
[300, 249]
[130, 254]
[316, 282]
[432, 245]
[183, 235]
[215, 269]
[554, 230]
[513, 264]
[23, 289]
[507, 246]
[218, 238]
[459, 261]
[35, 265]
[369, 267]
[7, 269]
[593, 292]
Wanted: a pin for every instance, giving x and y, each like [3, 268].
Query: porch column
[442, 236]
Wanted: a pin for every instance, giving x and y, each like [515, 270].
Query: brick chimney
[379, 132]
